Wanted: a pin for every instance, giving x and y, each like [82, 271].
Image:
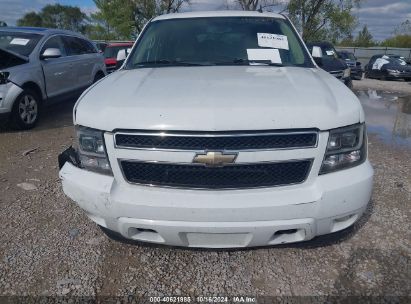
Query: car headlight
[92, 151]
[347, 73]
[346, 148]
[4, 77]
[393, 71]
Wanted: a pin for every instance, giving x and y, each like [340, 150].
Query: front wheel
[26, 110]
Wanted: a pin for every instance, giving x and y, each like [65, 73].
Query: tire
[98, 76]
[26, 110]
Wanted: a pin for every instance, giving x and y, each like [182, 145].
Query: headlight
[393, 71]
[347, 73]
[346, 148]
[4, 77]
[92, 151]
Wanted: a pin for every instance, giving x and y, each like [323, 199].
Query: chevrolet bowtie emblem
[215, 159]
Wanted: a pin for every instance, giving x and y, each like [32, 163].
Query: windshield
[20, 43]
[329, 52]
[347, 56]
[111, 51]
[219, 41]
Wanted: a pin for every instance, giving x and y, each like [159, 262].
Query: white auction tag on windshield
[272, 41]
[330, 53]
[19, 41]
[272, 55]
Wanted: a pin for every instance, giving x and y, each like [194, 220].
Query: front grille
[218, 141]
[235, 176]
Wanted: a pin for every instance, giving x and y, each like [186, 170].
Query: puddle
[388, 115]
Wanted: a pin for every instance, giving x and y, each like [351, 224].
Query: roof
[218, 14]
[37, 30]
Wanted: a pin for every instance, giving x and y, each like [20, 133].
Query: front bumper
[8, 94]
[398, 75]
[356, 73]
[222, 219]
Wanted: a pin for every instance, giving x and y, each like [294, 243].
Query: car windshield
[329, 52]
[347, 56]
[219, 41]
[111, 51]
[20, 43]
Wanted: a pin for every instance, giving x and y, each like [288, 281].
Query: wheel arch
[34, 87]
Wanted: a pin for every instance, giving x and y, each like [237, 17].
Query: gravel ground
[393, 86]
[49, 247]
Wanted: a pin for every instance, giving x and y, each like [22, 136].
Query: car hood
[217, 98]
[10, 59]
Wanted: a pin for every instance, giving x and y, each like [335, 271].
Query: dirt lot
[49, 247]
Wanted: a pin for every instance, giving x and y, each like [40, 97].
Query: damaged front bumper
[218, 219]
[8, 94]
[69, 155]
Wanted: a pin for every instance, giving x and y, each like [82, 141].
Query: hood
[217, 98]
[10, 59]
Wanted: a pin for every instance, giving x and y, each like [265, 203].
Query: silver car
[40, 66]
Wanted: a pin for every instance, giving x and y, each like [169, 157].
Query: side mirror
[317, 52]
[121, 55]
[51, 53]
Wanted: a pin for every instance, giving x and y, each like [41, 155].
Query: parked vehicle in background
[388, 67]
[327, 58]
[110, 54]
[39, 66]
[219, 131]
[352, 63]
[101, 46]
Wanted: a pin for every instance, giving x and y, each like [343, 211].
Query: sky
[381, 16]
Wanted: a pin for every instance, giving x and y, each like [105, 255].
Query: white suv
[219, 131]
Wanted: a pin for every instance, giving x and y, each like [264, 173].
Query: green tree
[364, 38]
[113, 20]
[252, 5]
[323, 19]
[144, 10]
[401, 36]
[30, 19]
[403, 29]
[124, 19]
[399, 41]
[57, 16]
[249, 5]
[2, 23]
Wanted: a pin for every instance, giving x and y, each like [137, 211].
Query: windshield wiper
[171, 63]
[240, 61]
